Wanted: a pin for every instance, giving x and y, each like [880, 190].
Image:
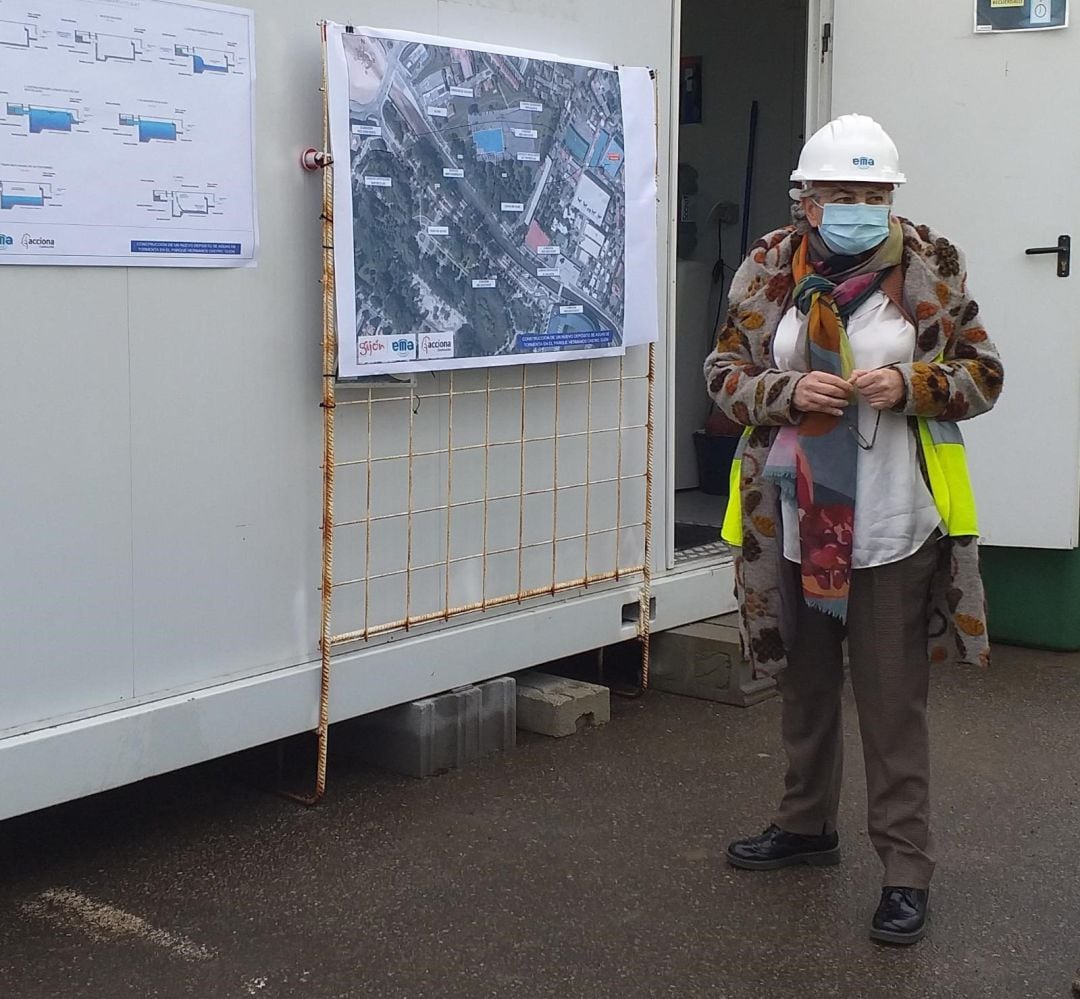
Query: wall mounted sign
[127, 133]
[1020, 15]
[493, 206]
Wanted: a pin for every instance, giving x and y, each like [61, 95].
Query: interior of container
[741, 123]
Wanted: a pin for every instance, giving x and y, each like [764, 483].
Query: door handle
[1063, 251]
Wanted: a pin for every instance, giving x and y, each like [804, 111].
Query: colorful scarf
[816, 461]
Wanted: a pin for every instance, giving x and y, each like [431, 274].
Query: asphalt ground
[588, 866]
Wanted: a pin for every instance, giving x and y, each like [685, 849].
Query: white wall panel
[65, 491]
[160, 504]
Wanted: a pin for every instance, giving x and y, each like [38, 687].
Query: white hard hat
[852, 147]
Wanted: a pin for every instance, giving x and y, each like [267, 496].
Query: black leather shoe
[901, 915]
[775, 848]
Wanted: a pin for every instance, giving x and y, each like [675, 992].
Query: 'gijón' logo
[365, 348]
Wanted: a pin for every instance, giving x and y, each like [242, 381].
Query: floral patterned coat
[956, 374]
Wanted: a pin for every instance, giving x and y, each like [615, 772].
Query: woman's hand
[882, 388]
[820, 392]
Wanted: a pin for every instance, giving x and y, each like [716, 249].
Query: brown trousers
[887, 634]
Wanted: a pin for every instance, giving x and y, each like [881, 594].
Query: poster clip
[312, 159]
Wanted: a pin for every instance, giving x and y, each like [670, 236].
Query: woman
[850, 349]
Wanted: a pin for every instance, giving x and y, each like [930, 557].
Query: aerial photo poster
[491, 206]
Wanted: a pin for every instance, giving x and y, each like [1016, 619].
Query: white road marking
[72, 910]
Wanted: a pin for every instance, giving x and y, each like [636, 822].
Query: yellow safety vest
[946, 467]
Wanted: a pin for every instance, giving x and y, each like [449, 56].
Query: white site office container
[161, 431]
[162, 441]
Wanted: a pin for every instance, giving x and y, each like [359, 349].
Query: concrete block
[556, 706]
[438, 733]
[705, 660]
[498, 715]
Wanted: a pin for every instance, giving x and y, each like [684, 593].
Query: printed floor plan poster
[126, 133]
[491, 206]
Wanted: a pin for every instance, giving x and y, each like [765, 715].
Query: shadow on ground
[590, 866]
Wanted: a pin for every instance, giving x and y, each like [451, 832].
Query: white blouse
[894, 510]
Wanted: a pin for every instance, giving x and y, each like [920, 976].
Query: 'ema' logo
[6, 240]
[863, 162]
[404, 346]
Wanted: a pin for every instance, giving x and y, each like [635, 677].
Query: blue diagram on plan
[206, 60]
[200, 65]
[45, 119]
[153, 128]
[17, 194]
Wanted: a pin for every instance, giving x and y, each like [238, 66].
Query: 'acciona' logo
[5, 240]
[35, 242]
[436, 346]
[863, 162]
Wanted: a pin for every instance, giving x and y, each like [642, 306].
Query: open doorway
[743, 99]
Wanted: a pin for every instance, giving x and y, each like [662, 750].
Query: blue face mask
[854, 229]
